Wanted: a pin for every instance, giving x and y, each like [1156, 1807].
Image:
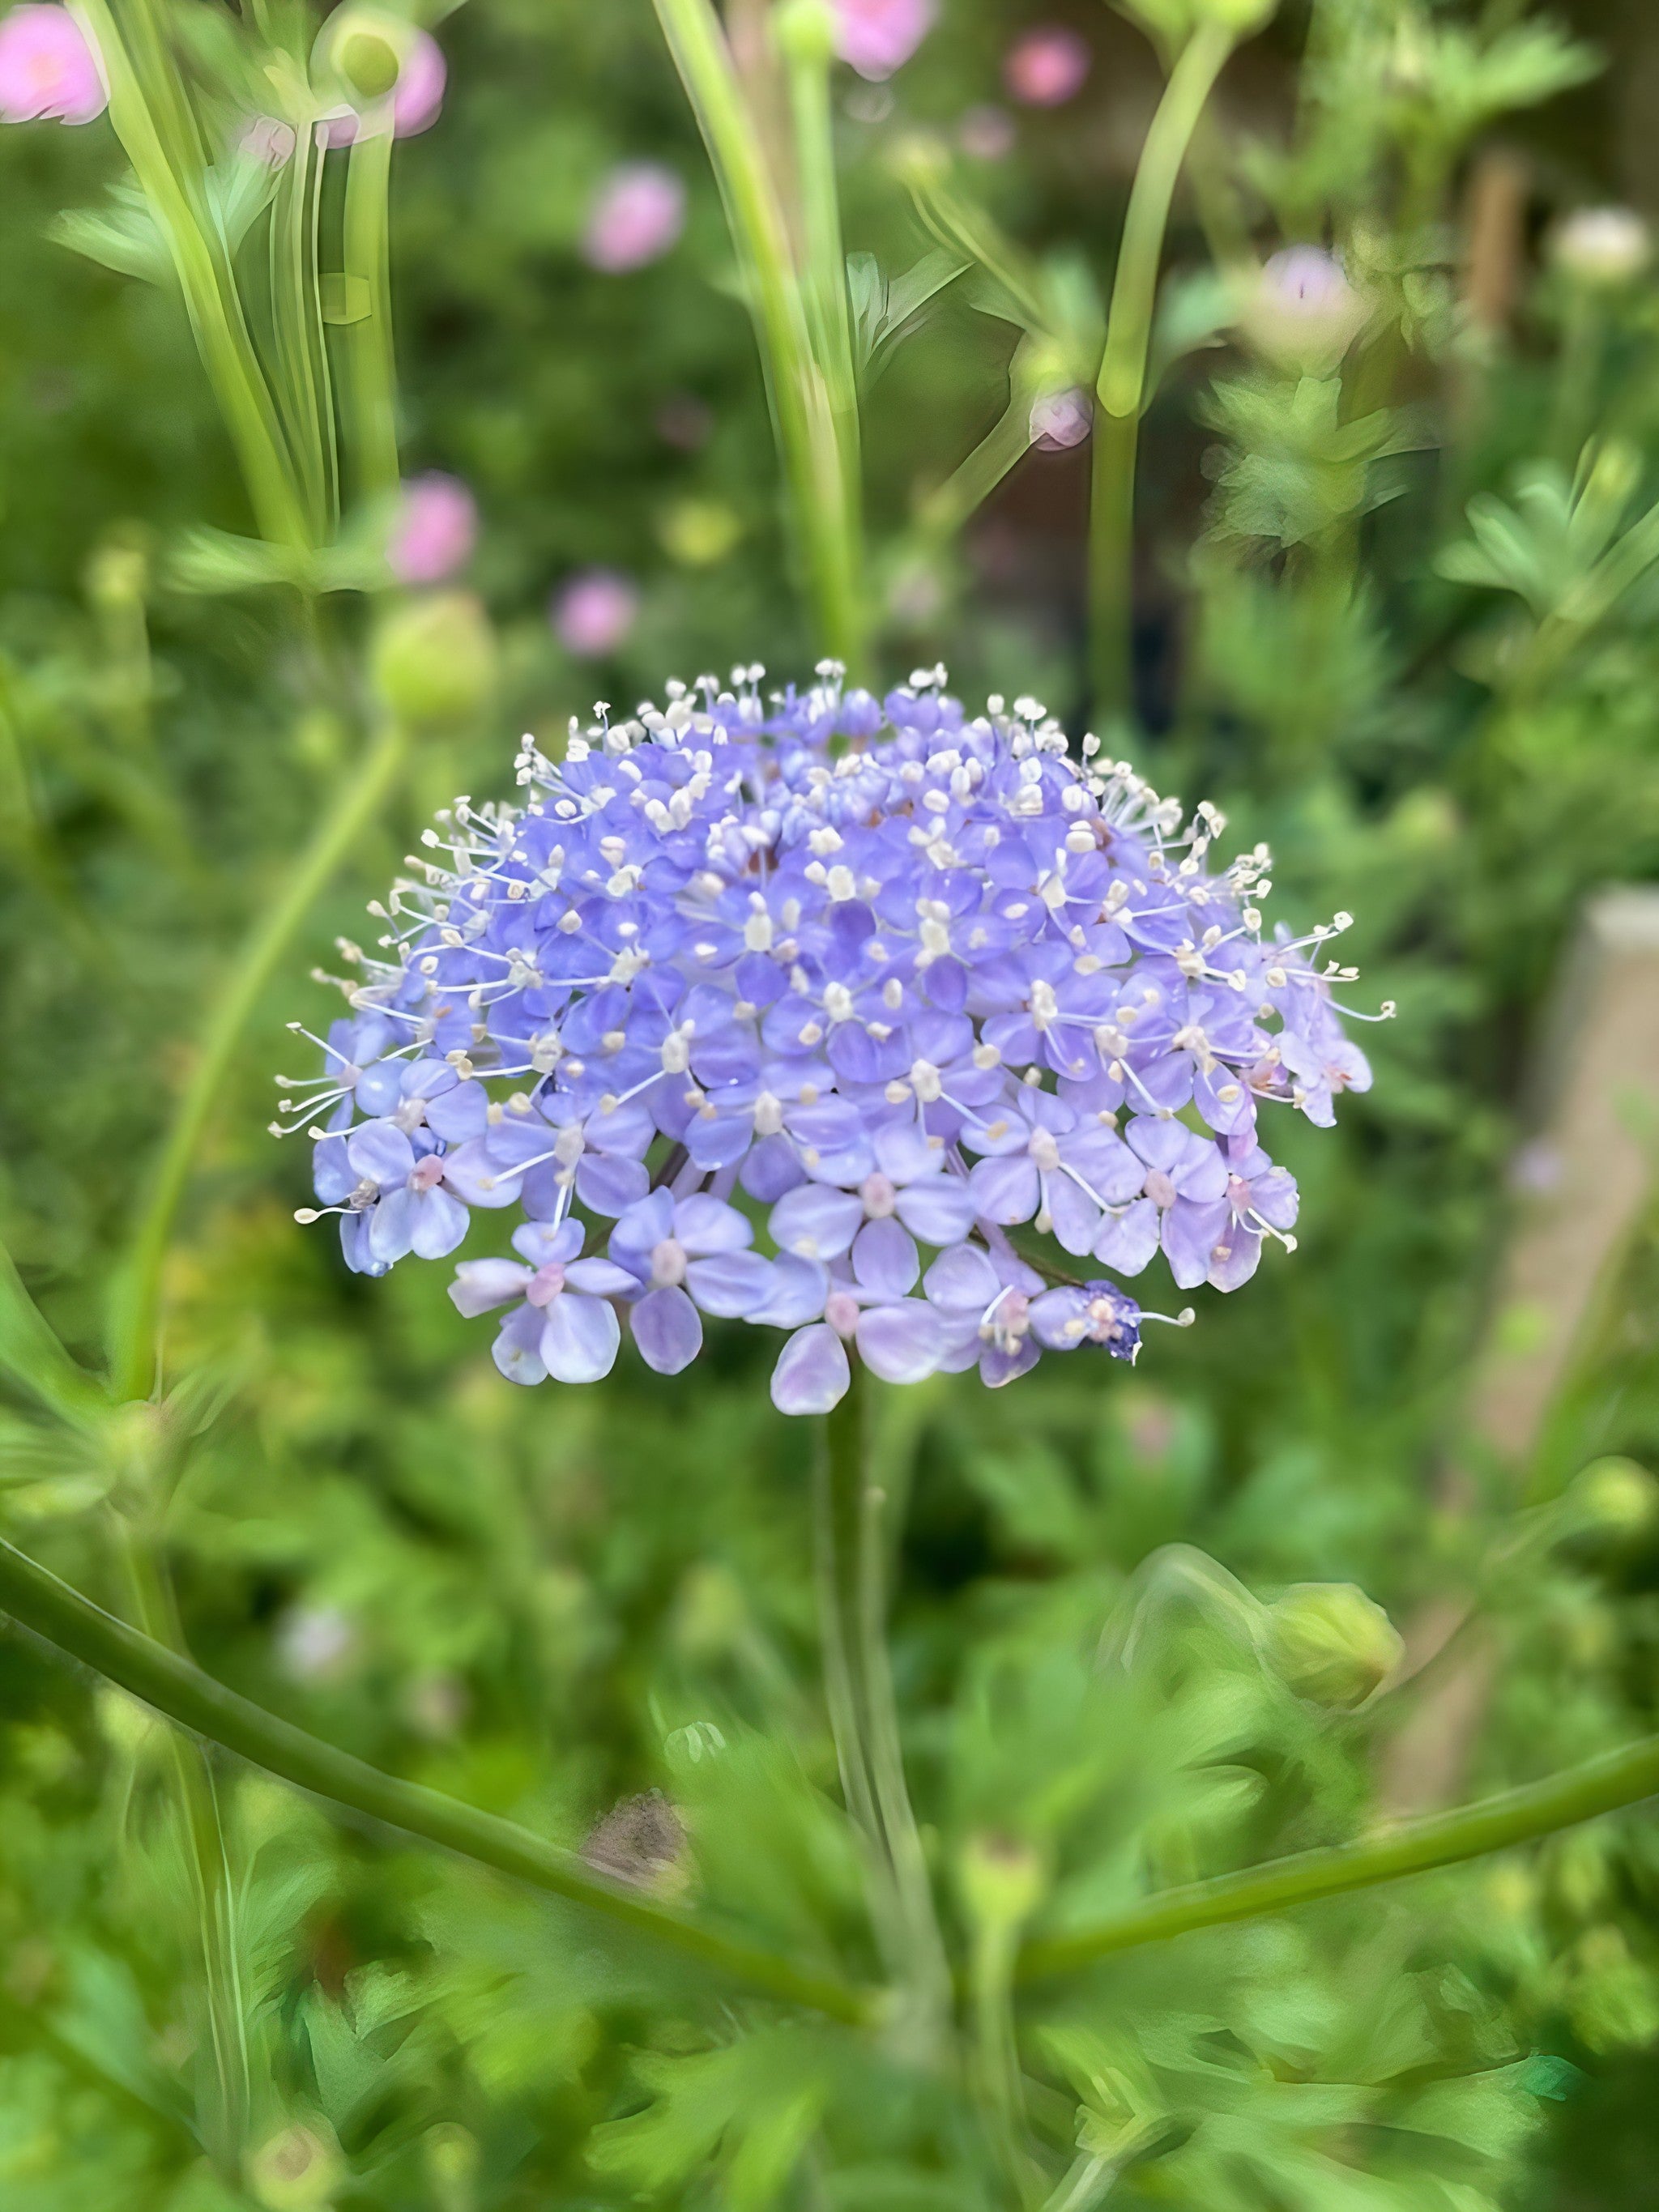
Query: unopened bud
[368, 62]
[1331, 1644]
[1614, 1497]
[1601, 248]
[640, 1842]
[1001, 1879]
[300, 2170]
[1301, 312]
[435, 660]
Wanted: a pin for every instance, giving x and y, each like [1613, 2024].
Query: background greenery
[548, 1601]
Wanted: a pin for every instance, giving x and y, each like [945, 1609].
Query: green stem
[32, 1355]
[997, 2054]
[1122, 389]
[155, 144]
[1600, 1785]
[371, 378]
[806, 30]
[851, 1550]
[815, 471]
[136, 1296]
[225, 2129]
[181, 1692]
[943, 512]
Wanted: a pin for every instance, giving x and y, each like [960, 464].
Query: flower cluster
[791, 1011]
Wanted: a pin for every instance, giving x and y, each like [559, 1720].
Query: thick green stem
[815, 472]
[1120, 392]
[851, 1554]
[136, 1297]
[181, 1692]
[1616, 1779]
[371, 378]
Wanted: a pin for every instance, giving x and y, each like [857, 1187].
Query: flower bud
[1301, 312]
[368, 62]
[300, 2170]
[1330, 1645]
[1001, 1879]
[1613, 1498]
[435, 660]
[1601, 248]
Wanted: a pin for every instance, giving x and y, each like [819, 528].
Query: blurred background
[1449, 1397]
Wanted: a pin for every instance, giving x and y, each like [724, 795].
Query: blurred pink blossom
[594, 611]
[1061, 419]
[417, 97]
[47, 70]
[1047, 67]
[878, 36]
[636, 214]
[435, 530]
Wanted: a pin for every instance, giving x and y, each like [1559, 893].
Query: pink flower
[436, 528]
[638, 212]
[1061, 419]
[417, 98]
[46, 68]
[878, 36]
[1048, 66]
[594, 613]
[419, 94]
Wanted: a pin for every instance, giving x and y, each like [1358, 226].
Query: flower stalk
[817, 470]
[136, 1301]
[851, 1550]
[1121, 392]
[184, 1694]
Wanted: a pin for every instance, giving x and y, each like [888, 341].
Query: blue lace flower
[814, 999]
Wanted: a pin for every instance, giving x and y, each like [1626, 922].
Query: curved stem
[185, 1694]
[371, 380]
[1616, 1779]
[1122, 389]
[136, 1296]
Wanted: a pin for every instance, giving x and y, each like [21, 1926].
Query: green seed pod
[435, 660]
[368, 62]
[1331, 1644]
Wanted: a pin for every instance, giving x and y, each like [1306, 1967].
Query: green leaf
[32, 1355]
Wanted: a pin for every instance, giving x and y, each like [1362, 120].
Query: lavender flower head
[788, 1010]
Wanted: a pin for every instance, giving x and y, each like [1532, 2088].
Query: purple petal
[580, 1338]
[1191, 1234]
[645, 1223]
[440, 1223]
[798, 1290]
[380, 1153]
[459, 1113]
[732, 1284]
[608, 1185]
[481, 1285]
[479, 1177]
[961, 1280]
[517, 1347]
[938, 1211]
[884, 1259]
[668, 1330]
[1076, 1216]
[705, 1225]
[901, 1343]
[1006, 1191]
[601, 1278]
[1127, 1240]
[812, 1373]
[541, 1245]
[815, 1221]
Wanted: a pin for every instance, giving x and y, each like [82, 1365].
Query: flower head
[637, 214]
[47, 69]
[877, 37]
[1601, 247]
[813, 1000]
[1302, 311]
[434, 530]
[1048, 66]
